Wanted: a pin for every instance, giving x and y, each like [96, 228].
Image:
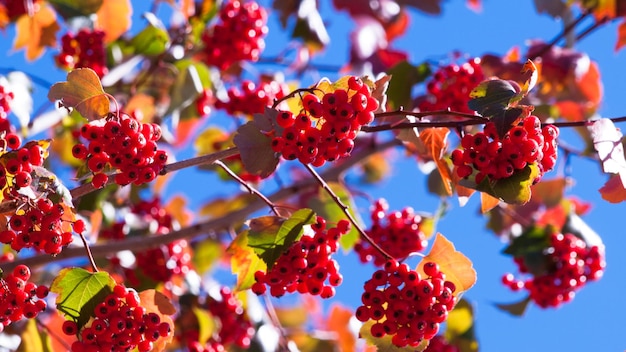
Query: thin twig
[247, 186]
[271, 312]
[89, 255]
[570, 27]
[446, 112]
[346, 211]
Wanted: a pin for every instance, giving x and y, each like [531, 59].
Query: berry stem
[345, 208]
[89, 254]
[247, 186]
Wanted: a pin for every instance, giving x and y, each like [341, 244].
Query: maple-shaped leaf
[79, 291]
[156, 302]
[76, 8]
[613, 191]
[82, 91]
[270, 236]
[460, 327]
[244, 262]
[457, 267]
[385, 344]
[35, 33]
[114, 18]
[607, 141]
[435, 141]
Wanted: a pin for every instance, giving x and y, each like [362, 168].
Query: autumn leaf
[529, 69]
[457, 267]
[384, 344]
[177, 208]
[460, 327]
[339, 322]
[35, 33]
[487, 202]
[516, 309]
[114, 18]
[156, 302]
[34, 340]
[434, 139]
[621, 36]
[613, 190]
[82, 91]
[244, 262]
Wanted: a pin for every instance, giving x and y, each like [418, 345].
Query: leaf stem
[89, 255]
[247, 186]
[345, 209]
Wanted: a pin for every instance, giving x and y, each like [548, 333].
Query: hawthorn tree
[96, 259]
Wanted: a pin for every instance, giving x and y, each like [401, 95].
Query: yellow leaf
[460, 320]
[36, 32]
[292, 317]
[82, 91]
[144, 103]
[244, 262]
[435, 141]
[384, 343]
[457, 267]
[34, 340]
[177, 208]
[114, 18]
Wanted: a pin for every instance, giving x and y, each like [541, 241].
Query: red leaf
[435, 141]
[613, 190]
[590, 84]
[621, 36]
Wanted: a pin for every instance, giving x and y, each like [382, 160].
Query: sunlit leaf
[114, 18]
[294, 316]
[33, 339]
[156, 302]
[613, 190]
[516, 309]
[403, 77]
[82, 91]
[325, 206]
[177, 208]
[79, 291]
[460, 327]
[513, 190]
[579, 228]
[244, 262]
[435, 140]
[206, 324]
[529, 69]
[384, 344]
[144, 103]
[151, 41]
[205, 254]
[590, 84]
[487, 202]
[457, 267]
[339, 322]
[36, 33]
[607, 140]
[621, 36]
[532, 240]
[549, 192]
[219, 207]
[310, 27]
[270, 236]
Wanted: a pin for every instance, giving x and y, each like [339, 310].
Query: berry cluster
[121, 142]
[165, 261]
[119, 323]
[40, 222]
[252, 98]
[15, 9]
[235, 327]
[83, 49]
[238, 36]
[439, 344]
[398, 233]
[405, 305]
[325, 130]
[306, 265]
[569, 265]
[450, 86]
[20, 298]
[495, 158]
[6, 97]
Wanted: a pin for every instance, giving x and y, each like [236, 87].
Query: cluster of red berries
[20, 298]
[306, 265]
[439, 344]
[569, 265]
[121, 142]
[252, 98]
[15, 9]
[238, 36]
[119, 323]
[6, 97]
[404, 305]
[204, 102]
[235, 327]
[325, 130]
[398, 233]
[495, 158]
[450, 86]
[83, 49]
[160, 263]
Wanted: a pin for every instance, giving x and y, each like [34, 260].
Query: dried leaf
[114, 18]
[457, 267]
[156, 302]
[82, 91]
[435, 140]
[36, 33]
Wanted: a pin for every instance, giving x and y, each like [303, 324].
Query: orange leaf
[144, 103]
[613, 190]
[36, 32]
[571, 110]
[487, 202]
[156, 302]
[513, 55]
[83, 91]
[457, 267]
[114, 18]
[591, 85]
[339, 322]
[435, 140]
[4, 17]
[398, 27]
[621, 36]
[603, 9]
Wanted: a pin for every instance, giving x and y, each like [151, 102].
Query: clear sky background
[595, 320]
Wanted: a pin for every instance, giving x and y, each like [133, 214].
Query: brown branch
[208, 227]
[418, 115]
[89, 255]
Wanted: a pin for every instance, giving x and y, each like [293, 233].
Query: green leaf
[79, 291]
[533, 240]
[83, 91]
[255, 149]
[516, 309]
[384, 343]
[206, 253]
[33, 339]
[512, 190]
[325, 206]
[270, 236]
[244, 262]
[493, 96]
[151, 41]
[403, 77]
[76, 8]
